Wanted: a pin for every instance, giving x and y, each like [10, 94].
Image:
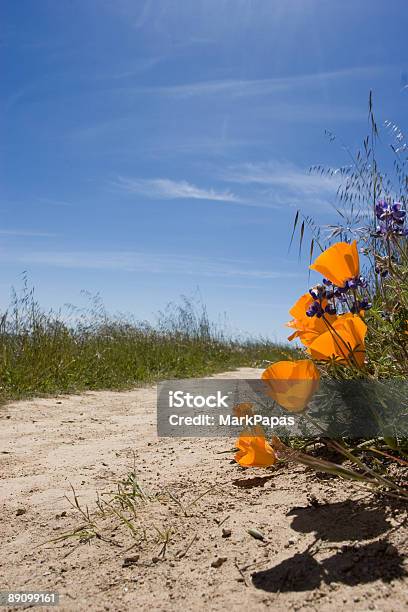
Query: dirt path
[320, 552]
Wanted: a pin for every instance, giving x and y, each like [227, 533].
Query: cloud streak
[285, 184]
[270, 185]
[166, 189]
[250, 87]
[151, 263]
[282, 175]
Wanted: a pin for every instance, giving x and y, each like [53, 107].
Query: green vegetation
[55, 352]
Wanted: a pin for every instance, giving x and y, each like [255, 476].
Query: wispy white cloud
[166, 189]
[281, 174]
[151, 263]
[271, 185]
[137, 66]
[214, 145]
[54, 202]
[285, 184]
[309, 111]
[250, 87]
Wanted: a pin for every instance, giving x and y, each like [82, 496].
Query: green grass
[50, 352]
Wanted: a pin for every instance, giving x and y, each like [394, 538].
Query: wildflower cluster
[329, 321]
[390, 217]
[351, 326]
[327, 334]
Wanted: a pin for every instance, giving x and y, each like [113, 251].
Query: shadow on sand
[340, 521]
[355, 564]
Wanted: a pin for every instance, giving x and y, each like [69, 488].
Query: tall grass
[46, 352]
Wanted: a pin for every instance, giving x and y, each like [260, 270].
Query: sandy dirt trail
[320, 552]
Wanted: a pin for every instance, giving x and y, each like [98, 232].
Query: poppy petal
[338, 263]
[254, 450]
[344, 342]
[292, 383]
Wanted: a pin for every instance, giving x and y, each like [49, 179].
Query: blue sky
[150, 147]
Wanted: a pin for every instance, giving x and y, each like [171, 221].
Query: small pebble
[255, 533]
[128, 561]
[218, 562]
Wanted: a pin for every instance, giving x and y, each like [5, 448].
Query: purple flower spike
[315, 310]
[398, 212]
[365, 304]
[339, 292]
[317, 292]
[330, 309]
[351, 284]
[391, 217]
[380, 209]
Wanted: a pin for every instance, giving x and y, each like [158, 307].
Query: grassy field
[74, 350]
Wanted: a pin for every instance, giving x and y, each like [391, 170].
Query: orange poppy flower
[240, 410]
[308, 331]
[298, 310]
[344, 342]
[338, 263]
[307, 328]
[254, 450]
[292, 383]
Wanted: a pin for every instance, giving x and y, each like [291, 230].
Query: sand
[326, 544]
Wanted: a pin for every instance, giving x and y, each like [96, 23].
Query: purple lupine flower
[391, 217]
[318, 292]
[380, 209]
[330, 309]
[398, 212]
[358, 281]
[339, 292]
[351, 284]
[365, 304]
[315, 310]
